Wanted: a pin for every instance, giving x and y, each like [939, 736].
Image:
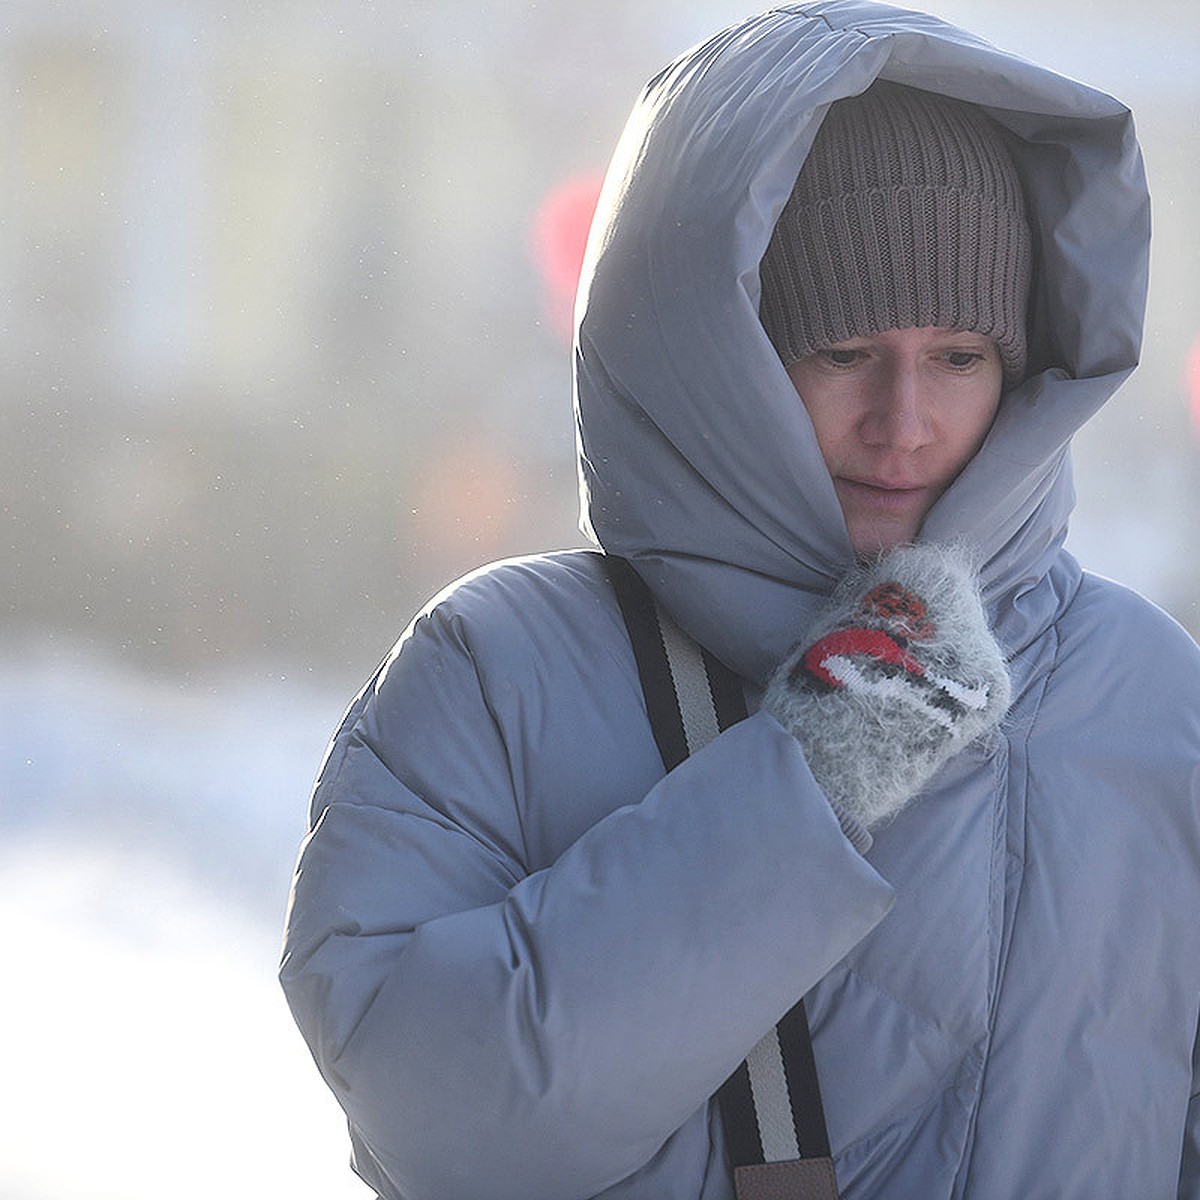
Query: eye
[840, 358]
[962, 360]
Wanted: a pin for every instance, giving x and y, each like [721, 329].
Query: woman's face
[897, 415]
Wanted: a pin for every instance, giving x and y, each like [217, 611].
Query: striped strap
[771, 1105]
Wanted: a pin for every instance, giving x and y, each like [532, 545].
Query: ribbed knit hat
[908, 212]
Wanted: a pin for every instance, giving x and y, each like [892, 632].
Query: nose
[895, 417]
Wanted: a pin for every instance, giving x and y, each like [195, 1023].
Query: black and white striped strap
[771, 1105]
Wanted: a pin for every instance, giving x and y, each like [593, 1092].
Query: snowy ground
[147, 831]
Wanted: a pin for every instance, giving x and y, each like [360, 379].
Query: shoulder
[508, 607]
[1129, 652]
[1103, 607]
[509, 628]
[515, 682]
[521, 637]
[565, 577]
[513, 708]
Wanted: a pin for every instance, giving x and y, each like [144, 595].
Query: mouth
[887, 493]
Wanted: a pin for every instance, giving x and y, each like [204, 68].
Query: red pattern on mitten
[820, 658]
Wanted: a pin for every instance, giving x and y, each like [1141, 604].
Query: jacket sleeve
[492, 1029]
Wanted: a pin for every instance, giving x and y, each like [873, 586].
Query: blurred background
[284, 301]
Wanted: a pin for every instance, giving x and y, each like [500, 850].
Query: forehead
[924, 337]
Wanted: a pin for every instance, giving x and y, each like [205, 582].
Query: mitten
[898, 673]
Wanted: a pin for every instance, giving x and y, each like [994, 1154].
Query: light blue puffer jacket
[524, 960]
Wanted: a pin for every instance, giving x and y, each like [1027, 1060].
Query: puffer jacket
[524, 959]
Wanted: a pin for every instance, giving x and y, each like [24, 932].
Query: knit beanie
[907, 213]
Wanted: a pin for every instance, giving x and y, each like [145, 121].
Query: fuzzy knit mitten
[898, 673]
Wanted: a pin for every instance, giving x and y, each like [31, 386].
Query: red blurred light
[1192, 375]
[558, 238]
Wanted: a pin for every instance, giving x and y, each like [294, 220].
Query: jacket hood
[696, 459]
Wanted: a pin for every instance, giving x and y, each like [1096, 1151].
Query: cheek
[827, 403]
[978, 422]
[831, 426]
[965, 419]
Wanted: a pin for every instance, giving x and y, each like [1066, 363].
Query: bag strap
[771, 1105]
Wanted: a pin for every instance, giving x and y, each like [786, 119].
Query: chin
[871, 543]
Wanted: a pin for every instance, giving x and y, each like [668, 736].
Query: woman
[525, 959]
